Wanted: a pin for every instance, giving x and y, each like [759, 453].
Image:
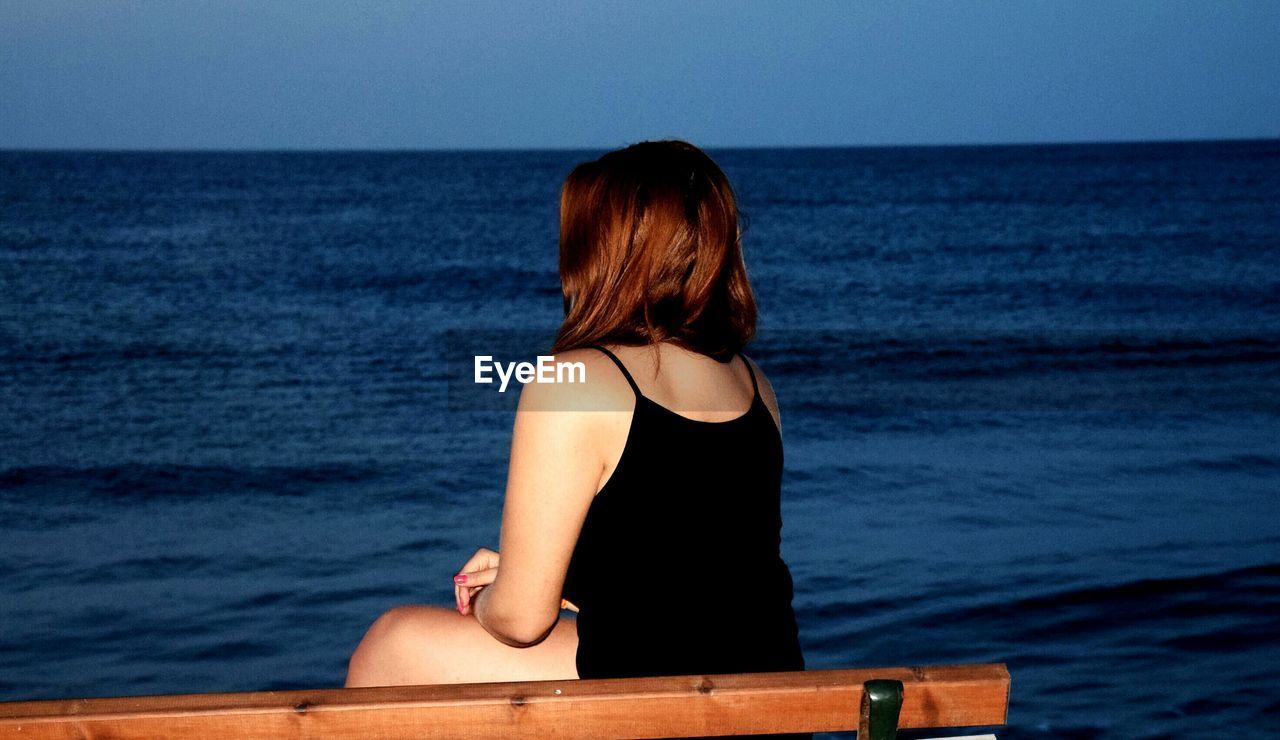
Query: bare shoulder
[766, 391]
[580, 380]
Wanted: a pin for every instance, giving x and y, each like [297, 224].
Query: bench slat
[665, 706]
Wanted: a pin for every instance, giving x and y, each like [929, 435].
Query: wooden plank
[665, 706]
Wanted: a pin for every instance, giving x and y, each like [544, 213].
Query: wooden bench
[877, 702]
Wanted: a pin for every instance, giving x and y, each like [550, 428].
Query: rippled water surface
[1029, 395]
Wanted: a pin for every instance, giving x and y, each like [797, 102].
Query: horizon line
[709, 147]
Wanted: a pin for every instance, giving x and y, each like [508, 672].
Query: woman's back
[677, 568]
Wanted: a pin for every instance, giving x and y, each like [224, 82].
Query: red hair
[651, 251]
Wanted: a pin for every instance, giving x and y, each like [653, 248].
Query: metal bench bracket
[881, 703]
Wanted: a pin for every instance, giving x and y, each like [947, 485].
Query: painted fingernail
[460, 578]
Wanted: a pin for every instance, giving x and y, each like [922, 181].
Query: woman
[646, 499]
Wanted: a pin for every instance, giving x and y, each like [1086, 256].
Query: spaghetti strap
[621, 367]
[755, 388]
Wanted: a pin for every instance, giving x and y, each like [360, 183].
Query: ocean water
[1029, 395]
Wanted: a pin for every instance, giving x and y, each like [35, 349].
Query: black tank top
[677, 569]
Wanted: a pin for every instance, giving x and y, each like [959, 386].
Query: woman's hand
[478, 572]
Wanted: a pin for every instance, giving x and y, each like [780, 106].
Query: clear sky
[232, 74]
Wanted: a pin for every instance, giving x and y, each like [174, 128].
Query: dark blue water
[1029, 395]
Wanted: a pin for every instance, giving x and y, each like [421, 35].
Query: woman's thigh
[412, 645]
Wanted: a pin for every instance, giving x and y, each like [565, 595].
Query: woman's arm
[556, 463]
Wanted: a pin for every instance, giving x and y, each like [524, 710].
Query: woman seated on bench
[645, 498]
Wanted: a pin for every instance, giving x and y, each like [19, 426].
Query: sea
[1030, 400]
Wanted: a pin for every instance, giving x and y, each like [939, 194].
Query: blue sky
[233, 74]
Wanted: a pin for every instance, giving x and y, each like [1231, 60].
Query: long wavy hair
[651, 251]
